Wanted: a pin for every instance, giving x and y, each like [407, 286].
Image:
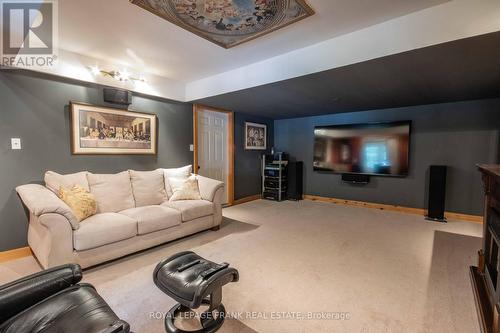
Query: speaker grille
[117, 96]
[437, 191]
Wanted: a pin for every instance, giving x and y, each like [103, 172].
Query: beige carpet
[380, 271]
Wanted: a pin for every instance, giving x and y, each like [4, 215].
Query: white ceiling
[118, 32]
[178, 65]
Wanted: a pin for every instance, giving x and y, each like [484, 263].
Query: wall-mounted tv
[370, 149]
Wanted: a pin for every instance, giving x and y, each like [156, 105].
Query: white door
[213, 159]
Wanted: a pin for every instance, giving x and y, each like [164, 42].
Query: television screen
[373, 149]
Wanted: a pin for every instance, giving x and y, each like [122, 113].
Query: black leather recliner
[54, 301]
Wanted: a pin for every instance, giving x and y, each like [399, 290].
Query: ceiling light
[122, 76]
[95, 70]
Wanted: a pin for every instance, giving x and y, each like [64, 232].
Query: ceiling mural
[228, 23]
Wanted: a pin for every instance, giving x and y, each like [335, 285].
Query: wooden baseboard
[402, 209]
[464, 217]
[246, 199]
[15, 254]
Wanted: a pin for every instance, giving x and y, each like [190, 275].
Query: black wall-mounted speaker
[354, 178]
[117, 96]
[437, 193]
[295, 180]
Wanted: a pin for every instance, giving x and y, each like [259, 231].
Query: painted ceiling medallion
[228, 23]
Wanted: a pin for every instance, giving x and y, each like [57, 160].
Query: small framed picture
[102, 130]
[255, 136]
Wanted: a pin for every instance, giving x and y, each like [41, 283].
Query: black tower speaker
[437, 193]
[295, 180]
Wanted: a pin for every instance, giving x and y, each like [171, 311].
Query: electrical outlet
[15, 143]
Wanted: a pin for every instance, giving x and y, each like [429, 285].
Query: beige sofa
[133, 213]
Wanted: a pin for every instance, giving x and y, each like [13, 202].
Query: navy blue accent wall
[458, 135]
[247, 179]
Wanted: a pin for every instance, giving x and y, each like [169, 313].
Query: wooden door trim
[230, 146]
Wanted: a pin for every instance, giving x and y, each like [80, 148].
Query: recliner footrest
[190, 279]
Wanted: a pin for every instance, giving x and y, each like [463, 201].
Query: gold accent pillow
[81, 201]
[188, 190]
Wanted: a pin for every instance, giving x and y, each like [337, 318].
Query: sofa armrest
[208, 187]
[26, 292]
[39, 200]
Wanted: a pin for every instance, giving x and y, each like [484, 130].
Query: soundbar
[117, 96]
[355, 178]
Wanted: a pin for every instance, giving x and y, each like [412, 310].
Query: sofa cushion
[113, 193]
[81, 201]
[148, 187]
[55, 181]
[102, 229]
[153, 218]
[189, 190]
[191, 209]
[175, 176]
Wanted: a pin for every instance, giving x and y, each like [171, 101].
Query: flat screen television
[369, 149]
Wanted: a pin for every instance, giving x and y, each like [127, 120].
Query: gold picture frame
[99, 130]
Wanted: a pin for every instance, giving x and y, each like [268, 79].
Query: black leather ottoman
[193, 281]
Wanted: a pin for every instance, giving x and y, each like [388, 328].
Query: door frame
[230, 146]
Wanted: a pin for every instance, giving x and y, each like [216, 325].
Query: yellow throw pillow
[188, 190]
[81, 201]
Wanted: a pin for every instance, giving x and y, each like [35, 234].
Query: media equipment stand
[274, 176]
